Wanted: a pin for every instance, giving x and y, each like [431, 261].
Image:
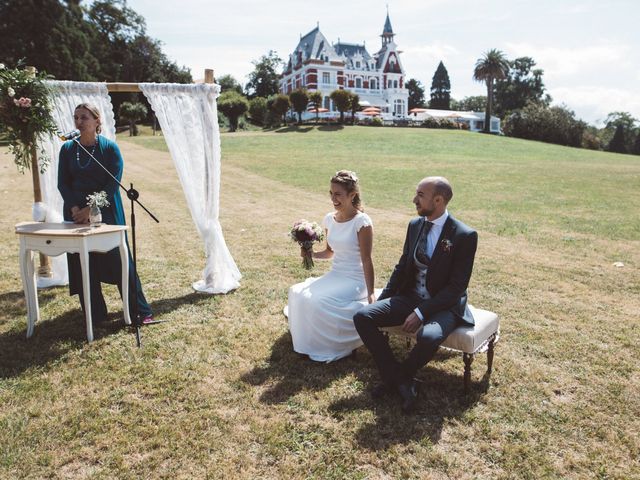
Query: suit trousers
[393, 311]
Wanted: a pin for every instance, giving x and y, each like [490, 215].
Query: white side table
[54, 239]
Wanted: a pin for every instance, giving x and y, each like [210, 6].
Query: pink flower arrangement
[22, 102]
[306, 234]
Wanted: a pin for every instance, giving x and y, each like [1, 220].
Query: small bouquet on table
[96, 201]
[306, 234]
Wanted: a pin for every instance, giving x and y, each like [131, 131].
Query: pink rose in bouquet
[306, 234]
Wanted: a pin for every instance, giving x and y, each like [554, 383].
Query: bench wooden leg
[490, 355]
[468, 359]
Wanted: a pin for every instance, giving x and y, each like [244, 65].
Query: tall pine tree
[636, 146]
[440, 89]
[618, 143]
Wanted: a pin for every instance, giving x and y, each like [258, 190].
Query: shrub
[591, 141]
[376, 122]
[299, 99]
[431, 122]
[552, 125]
[258, 110]
[132, 113]
[233, 106]
[278, 106]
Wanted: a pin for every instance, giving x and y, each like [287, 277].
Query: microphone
[69, 136]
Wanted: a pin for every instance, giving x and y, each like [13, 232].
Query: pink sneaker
[148, 320]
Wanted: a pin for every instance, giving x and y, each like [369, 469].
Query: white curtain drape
[188, 117]
[65, 97]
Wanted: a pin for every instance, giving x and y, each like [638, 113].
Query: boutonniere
[446, 245]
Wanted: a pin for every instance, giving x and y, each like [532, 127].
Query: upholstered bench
[468, 339]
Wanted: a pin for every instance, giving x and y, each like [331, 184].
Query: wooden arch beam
[120, 87]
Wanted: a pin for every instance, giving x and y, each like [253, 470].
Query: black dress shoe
[409, 393]
[381, 390]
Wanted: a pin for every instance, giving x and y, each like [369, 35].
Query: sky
[589, 50]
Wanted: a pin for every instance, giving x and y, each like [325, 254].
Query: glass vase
[95, 216]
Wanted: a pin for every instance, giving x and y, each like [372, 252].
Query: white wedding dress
[320, 310]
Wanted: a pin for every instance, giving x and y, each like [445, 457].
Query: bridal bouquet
[306, 234]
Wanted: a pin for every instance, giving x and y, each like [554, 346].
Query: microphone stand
[133, 195]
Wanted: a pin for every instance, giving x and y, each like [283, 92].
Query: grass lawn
[216, 391]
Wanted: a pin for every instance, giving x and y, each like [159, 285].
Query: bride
[321, 310]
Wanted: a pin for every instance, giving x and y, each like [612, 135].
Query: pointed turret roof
[387, 30]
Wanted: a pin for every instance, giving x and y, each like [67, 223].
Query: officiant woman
[78, 176]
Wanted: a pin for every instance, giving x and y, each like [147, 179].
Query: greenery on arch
[25, 113]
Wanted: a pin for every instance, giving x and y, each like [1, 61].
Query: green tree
[611, 123]
[552, 125]
[233, 106]
[228, 83]
[299, 100]
[618, 142]
[52, 36]
[263, 81]
[492, 66]
[316, 99]
[416, 93]
[279, 105]
[105, 41]
[440, 89]
[342, 101]
[132, 113]
[258, 110]
[522, 85]
[475, 103]
[635, 149]
[354, 106]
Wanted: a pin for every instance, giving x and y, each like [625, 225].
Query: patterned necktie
[421, 250]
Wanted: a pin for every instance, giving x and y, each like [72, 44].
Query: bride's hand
[306, 253]
[371, 298]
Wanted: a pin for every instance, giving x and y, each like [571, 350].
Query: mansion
[378, 80]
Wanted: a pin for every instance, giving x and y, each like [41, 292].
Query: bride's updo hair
[349, 180]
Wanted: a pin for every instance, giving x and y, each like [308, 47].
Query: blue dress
[79, 176]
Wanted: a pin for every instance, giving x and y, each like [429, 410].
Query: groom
[427, 291]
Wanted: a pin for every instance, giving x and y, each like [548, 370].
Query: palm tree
[492, 66]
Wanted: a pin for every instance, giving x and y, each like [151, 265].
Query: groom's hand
[412, 323]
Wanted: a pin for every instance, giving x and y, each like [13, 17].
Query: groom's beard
[424, 212]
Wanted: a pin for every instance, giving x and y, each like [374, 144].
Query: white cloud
[433, 52]
[566, 61]
[594, 103]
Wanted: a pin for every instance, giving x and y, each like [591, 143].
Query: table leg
[28, 274]
[124, 259]
[84, 265]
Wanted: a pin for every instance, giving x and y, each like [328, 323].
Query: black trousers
[98, 305]
[393, 311]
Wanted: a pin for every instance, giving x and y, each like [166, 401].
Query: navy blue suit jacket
[449, 270]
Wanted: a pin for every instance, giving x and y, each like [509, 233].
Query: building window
[395, 84]
[372, 84]
[357, 64]
[390, 84]
[326, 77]
[327, 103]
[358, 83]
[398, 107]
